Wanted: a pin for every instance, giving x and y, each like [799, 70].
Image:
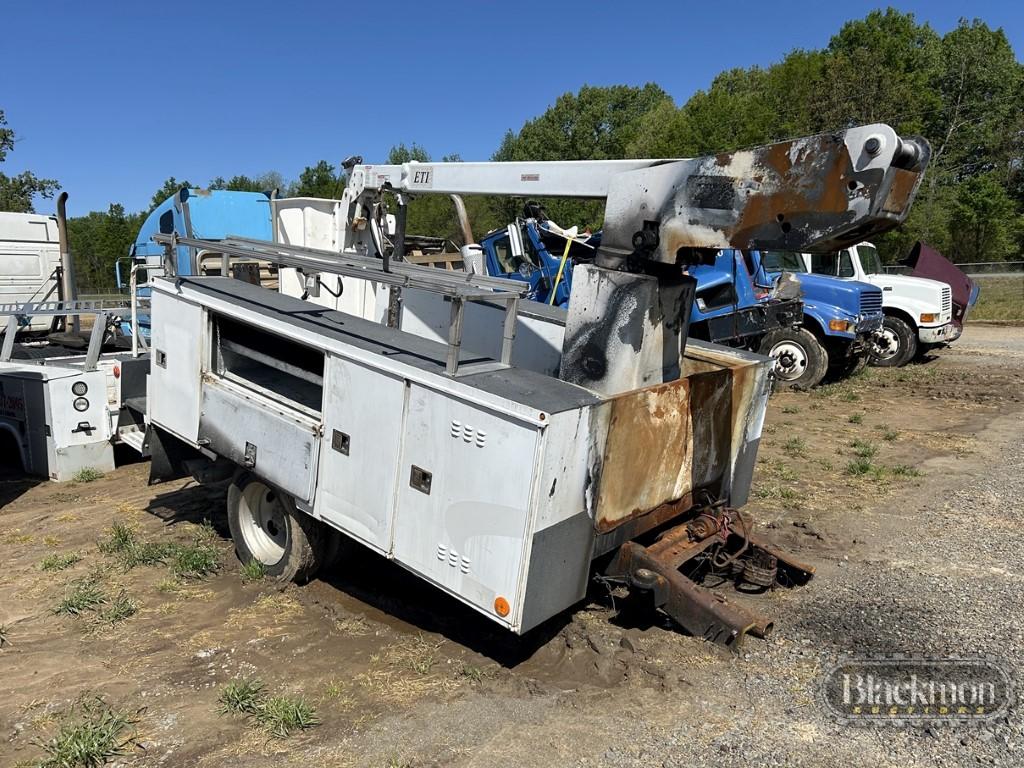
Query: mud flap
[173, 459]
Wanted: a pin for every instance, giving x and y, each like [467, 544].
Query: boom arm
[817, 193]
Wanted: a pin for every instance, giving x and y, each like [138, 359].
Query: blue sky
[112, 98]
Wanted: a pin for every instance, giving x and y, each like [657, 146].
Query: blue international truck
[812, 326]
[843, 315]
[200, 213]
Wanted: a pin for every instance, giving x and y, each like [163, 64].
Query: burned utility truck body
[495, 475]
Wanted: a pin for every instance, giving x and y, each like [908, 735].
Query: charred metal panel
[624, 331]
[818, 193]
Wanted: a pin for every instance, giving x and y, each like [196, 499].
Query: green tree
[318, 180]
[169, 188]
[981, 220]
[597, 123]
[97, 240]
[18, 192]
[266, 182]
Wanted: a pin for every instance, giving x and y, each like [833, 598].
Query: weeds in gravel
[472, 673]
[864, 449]
[83, 595]
[857, 467]
[904, 470]
[856, 418]
[90, 737]
[87, 475]
[790, 409]
[890, 435]
[279, 716]
[254, 570]
[850, 396]
[122, 542]
[118, 609]
[795, 447]
[241, 696]
[195, 561]
[59, 562]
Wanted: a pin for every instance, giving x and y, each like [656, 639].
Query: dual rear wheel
[266, 526]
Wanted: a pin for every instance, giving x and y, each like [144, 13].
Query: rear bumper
[938, 334]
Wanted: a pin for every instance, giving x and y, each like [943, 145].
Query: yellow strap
[561, 268]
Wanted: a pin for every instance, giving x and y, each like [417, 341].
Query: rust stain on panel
[648, 453]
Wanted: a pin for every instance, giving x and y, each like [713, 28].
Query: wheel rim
[886, 344]
[261, 518]
[790, 360]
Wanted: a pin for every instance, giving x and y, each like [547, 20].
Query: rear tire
[894, 344]
[800, 360]
[266, 526]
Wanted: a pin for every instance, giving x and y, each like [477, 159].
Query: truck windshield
[777, 261]
[869, 260]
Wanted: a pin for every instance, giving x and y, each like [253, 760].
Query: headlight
[81, 404]
[929, 317]
[79, 388]
[840, 325]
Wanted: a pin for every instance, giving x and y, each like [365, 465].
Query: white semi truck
[918, 311]
[29, 264]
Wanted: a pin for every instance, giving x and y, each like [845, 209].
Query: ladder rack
[459, 287]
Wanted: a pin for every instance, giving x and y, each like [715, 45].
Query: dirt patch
[400, 675]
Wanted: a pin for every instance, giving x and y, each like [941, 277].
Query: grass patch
[254, 570]
[790, 409]
[82, 595]
[241, 697]
[850, 396]
[118, 609]
[1001, 298]
[90, 737]
[59, 562]
[905, 470]
[859, 466]
[864, 449]
[856, 418]
[195, 561]
[890, 435]
[87, 475]
[122, 542]
[279, 716]
[795, 447]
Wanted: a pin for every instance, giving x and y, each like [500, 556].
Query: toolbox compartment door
[277, 443]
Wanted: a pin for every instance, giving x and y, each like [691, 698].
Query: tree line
[961, 91]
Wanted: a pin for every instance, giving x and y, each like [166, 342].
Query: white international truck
[918, 311]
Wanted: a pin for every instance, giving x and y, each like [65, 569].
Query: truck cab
[29, 264]
[530, 250]
[918, 311]
[844, 315]
[209, 214]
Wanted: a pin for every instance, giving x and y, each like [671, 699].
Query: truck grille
[947, 299]
[871, 302]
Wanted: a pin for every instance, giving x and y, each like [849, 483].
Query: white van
[29, 262]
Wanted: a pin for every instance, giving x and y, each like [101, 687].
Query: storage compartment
[272, 365]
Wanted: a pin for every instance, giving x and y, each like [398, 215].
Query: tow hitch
[716, 542]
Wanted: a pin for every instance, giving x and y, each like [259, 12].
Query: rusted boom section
[715, 541]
